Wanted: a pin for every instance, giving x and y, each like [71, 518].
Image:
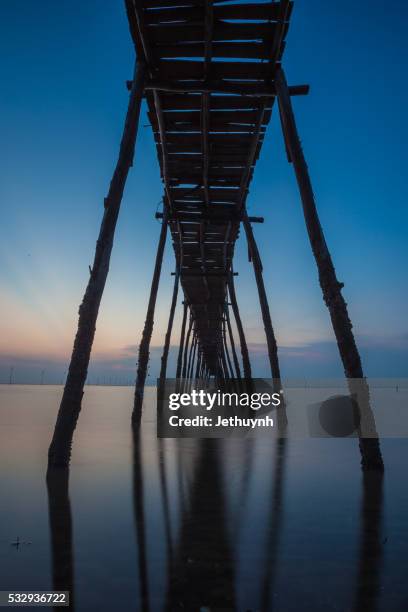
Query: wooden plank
[157, 4]
[186, 69]
[241, 50]
[181, 192]
[254, 88]
[242, 117]
[216, 140]
[174, 101]
[255, 11]
[223, 31]
[264, 10]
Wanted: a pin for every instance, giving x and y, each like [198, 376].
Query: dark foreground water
[238, 524]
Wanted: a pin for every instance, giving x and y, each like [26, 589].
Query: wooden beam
[331, 287]
[60, 448]
[214, 218]
[246, 364]
[181, 343]
[144, 347]
[232, 342]
[213, 87]
[263, 300]
[226, 350]
[190, 327]
[167, 338]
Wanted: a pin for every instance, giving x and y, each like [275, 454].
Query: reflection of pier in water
[202, 567]
[208, 508]
[60, 520]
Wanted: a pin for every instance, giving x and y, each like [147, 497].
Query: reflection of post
[276, 515]
[60, 520]
[138, 499]
[161, 451]
[202, 572]
[368, 580]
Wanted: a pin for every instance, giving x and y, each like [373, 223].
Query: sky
[63, 100]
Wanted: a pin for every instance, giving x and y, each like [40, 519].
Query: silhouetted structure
[209, 108]
[60, 519]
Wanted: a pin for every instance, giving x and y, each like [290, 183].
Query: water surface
[233, 524]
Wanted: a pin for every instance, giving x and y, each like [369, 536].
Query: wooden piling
[148, 328]
[263, 300]
[182, 337]
[60, 448]
[331, 287]
[246, 364]
[167, 338]
[232, 343]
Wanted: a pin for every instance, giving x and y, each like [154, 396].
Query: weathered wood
[213, 217]
[226, 350]
[167, 338]
[246, 364]
[60, 448]
[251, 50]
[191, 14]
[190, 356]
[331, 287]
[144, 347]
[192, 101]
[232, 342]
[223, 31]
[186, 346]
[181, 344]
[211, 142]
[263, 300]
[242, 89]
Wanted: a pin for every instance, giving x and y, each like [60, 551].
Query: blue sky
[63, 69]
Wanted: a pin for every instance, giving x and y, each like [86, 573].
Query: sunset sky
[63, 69]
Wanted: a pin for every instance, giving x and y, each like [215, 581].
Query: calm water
[238, 524]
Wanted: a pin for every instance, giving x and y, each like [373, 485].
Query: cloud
[382, 357]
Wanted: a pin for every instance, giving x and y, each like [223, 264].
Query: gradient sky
[63, 69]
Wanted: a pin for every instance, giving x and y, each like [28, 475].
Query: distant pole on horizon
[11, 375]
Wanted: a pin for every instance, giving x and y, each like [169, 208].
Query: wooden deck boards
[208, 143]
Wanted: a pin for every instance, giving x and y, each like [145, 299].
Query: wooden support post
[167, 338]
[232, 342]
[148, 329]
[226, 351]
[198, 367]
[266, 315]
[246, 364]
[331, 287]
[191, 358]
[182, 336]
[184, 368]
[60, 448]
